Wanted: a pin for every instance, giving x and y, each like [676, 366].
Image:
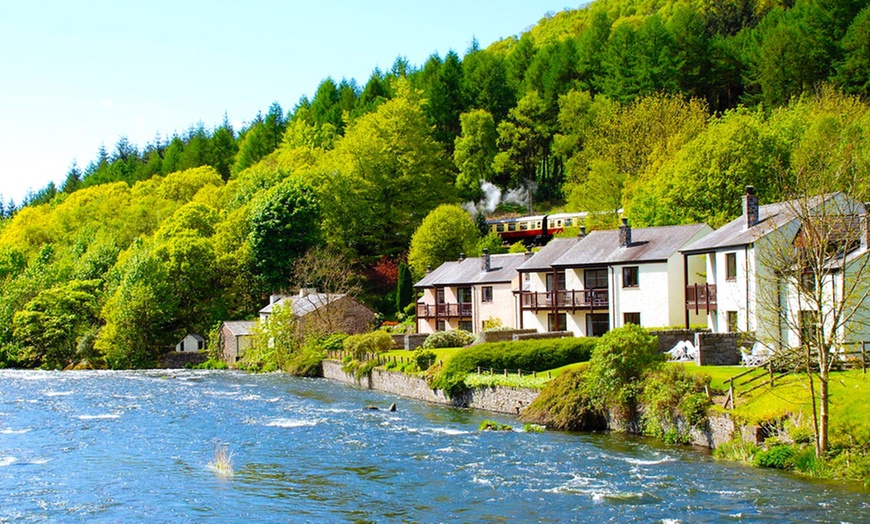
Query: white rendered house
[611, 278]
[466, 293]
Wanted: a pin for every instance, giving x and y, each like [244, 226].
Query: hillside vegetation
[664, 109]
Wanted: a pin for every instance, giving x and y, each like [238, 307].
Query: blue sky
[75, 75]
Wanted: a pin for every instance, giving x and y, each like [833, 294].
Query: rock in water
[393, 406]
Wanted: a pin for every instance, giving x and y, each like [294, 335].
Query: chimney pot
[582, 232]
[485, 260]
[624, 233]
[750, 207]
[461, 256]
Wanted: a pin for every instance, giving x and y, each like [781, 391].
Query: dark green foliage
[368, 344]
[455, 338]
[405, 289]
[424, 358]
[527, 355]
[671, 392]
[779, 456]
[285, 223]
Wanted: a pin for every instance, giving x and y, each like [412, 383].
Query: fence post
[863, 357]
[520, 372]
[548, 375]
[731, 392]
[534, 374]
[770, 369]
[505, 373]
[478, 370]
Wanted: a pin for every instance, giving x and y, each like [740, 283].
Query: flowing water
[137, 446]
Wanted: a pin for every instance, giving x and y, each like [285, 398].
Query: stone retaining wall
[668, 338]
[718, 349]
[497, 399]
[180, 359]
[503, 335]
[549, 334]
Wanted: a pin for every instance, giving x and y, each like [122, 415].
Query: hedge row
[527, 355]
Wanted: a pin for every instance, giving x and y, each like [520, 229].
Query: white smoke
[491, 196]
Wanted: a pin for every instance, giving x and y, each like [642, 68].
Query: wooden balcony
[701, 297]
[564, 300]
[445, 311]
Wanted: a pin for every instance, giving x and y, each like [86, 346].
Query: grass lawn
[443, 355]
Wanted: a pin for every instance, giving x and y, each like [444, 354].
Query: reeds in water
[223, 461]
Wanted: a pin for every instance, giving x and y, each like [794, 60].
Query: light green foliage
[494, 425]
[565, 403]
[492, 243]
[618, 362]
[671, 392]
[487, 380]
[368, 343]
[445, 233]
[474, 151]
[423, 358]
[517, 247]
[276, 340]
[455, 338]
[383, 178]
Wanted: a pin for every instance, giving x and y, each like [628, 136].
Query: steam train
[535, 229]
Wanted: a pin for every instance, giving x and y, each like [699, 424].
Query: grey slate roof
[240, 327]
[770, 218]
[649, 244]
[503, 268]
[544, 258]
[303, 305]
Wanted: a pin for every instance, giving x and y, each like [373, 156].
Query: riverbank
[719, 429]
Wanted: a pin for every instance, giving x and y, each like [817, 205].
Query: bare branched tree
[326, 276]
[814, 285]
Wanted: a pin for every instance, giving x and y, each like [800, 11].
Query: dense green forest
[663, 109]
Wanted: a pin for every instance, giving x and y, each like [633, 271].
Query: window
[556, 322]
[808, 281]
[499, 228]
[595, 278]
[439, 296]
[440, 326]
[597, 324]
[809, 321]
[630, 276]
[731, 318]
[465, 325]
[568, 222]
[560, 281]
[486, 294]
[464, 295]
[731, 266]
[512, 226]
[524, 226]
[631, 318]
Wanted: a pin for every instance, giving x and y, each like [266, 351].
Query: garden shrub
[455, 338]
[423, 358]
[779, 457]
[365, 343]
[619, 360]
[528, 355]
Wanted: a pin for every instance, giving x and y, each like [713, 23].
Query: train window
[499, 227]
[568, 222]
[538, 224]
[558, 223]
[524, 226]
[512, 226]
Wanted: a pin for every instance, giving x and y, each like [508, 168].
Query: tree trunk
[816, 432]
[823, 403]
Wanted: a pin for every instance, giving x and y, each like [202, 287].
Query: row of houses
[659, 277]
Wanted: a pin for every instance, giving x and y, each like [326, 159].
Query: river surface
[137, 446]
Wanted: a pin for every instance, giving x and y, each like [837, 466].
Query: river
[136, 446]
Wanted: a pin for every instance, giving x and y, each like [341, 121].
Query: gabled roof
[771, 217]
[503, 268]
[305, 304]
[195, 336]
[651, 244]
[544, 258]
[240, 327]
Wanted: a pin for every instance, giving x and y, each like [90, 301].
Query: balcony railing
[446, 311]
[701, 296]
[573, 299]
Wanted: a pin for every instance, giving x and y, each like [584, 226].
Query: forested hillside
[664, 109]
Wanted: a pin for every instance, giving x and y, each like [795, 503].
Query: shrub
[423, 358]
[373, 342]
[619, 360]
[669, 392]
[737, 450]
[455, 338]
[779, 457]
[528, 355]
[533, 428]
[209, 364]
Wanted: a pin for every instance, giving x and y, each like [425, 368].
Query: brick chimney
[750, 207]
[485, 261]
[624, 233]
